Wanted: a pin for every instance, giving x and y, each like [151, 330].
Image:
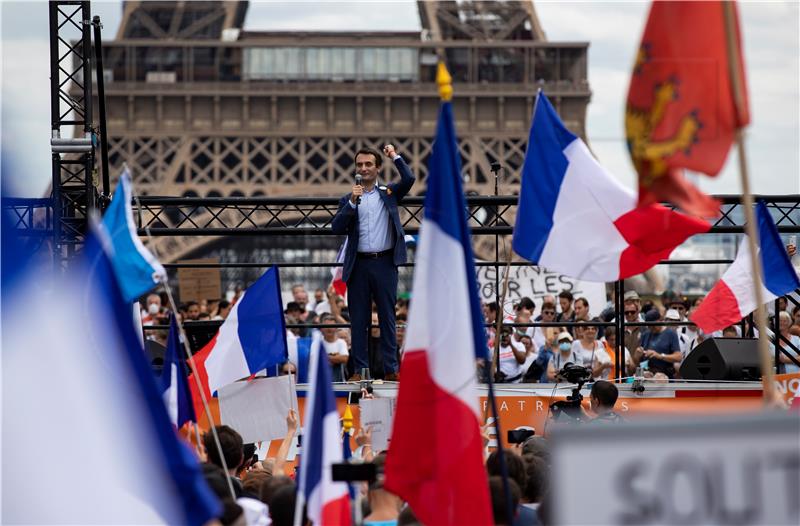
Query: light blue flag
[136, 268]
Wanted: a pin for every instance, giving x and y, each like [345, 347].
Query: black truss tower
[73, 193]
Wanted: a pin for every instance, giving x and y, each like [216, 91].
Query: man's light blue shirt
[374, 234]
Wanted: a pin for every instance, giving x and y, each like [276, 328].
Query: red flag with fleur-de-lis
[682, 110]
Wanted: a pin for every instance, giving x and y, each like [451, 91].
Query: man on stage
[375, 246]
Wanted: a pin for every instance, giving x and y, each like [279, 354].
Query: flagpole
[190, 361]
[732, 45]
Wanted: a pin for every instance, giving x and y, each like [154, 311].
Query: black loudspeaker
[723, 359]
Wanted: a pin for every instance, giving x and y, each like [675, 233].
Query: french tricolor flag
[733, 297]
[173, 383]
[339, 285]
[576, 218]
[252, 338]
[444, 480]
[328, 502]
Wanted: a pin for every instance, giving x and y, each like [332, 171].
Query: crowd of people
[265, 490]
[527, 353]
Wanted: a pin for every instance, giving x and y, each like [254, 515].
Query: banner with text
[535, 283]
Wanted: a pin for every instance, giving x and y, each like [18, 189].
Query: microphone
[358, 182]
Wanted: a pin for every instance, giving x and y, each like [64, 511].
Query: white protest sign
[537, 282]
[715, 470]
[379, 414]
[258, 409]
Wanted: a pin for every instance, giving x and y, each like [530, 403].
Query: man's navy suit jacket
[346, 220]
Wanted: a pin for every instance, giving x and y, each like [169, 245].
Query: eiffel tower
[198, 106]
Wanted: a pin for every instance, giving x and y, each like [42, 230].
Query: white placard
[378, 413]
[258, 409]
[537, 282]
[715, 470]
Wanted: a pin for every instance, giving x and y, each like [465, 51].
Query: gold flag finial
[347, 419]
[445, 82]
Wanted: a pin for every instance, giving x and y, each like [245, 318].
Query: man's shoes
[392, 377]
[355, 378]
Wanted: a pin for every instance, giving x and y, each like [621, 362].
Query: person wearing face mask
[561, 356]
[152, 309]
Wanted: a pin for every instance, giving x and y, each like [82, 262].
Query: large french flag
[576, 218]
[173, 383]
[328, 501]
[443, 481]
[733, 297]
[252, 338]
[121, 460]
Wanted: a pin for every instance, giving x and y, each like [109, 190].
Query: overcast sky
[613, 29]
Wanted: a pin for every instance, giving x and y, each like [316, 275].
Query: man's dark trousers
[373, 279]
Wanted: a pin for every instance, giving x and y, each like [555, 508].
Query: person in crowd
[659, 347]
[581, 307]
[592, 353]
[631, 311]
[299, 293]
[680, 304]
[402, 324]
[697, 301]
[282, 505]
[401, 307]
[512, 357]
[610, 345]
[542, 334]
[499, 502]
[782, 304]
[335, 348]
[152, 310]
[602, 399]
[795, 328]
[295, 315]
[565, 299]
[232, 451]
[515, 467]
[384, 506]
[319, 297]
[547, 298]
[730, 332]
[376, 246]
[785, 362]
[203, 316]
[537, 483]
[523, 314]
[562, 356]
[531, 353]
[215, 478]
[192, 311]
[490, 312]
[223, 309]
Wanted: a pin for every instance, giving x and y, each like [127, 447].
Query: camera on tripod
[569, 410]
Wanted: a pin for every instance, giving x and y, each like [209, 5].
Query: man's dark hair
[611, 330]
[566, 295]
[526, 303]
[605, 392]
[584, 301]
[499, 499]
[538, 447]
[537, 479]
[223, 304]
[190, 304]
[293, 306]
[269, 487]
[492, 306]
[232, 447]
[548, 305]
[370, 151]
[281, 505]
[516, 467]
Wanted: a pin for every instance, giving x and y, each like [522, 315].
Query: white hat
[564, 336]
[672, 314]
